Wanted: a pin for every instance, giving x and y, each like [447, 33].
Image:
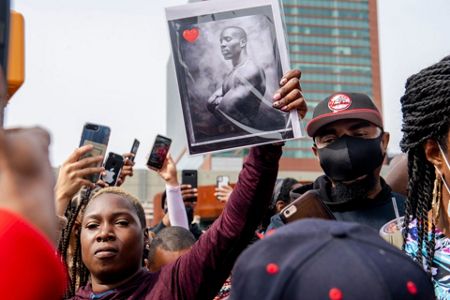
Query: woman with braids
[110, 241]
[426, 139]
[111, 238]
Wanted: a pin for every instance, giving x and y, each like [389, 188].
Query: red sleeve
[29, 265]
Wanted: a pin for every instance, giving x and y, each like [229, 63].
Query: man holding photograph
[239, 98]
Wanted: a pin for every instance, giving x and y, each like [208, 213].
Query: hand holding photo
[229, 58]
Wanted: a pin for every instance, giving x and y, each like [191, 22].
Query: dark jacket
[372, 212]
[200, 273]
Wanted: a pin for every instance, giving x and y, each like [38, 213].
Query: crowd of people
[71, 238]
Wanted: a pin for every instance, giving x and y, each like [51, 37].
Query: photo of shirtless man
[243, 88]
[228, 64]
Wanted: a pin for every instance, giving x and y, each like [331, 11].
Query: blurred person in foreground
[29, 265]
[318, 259]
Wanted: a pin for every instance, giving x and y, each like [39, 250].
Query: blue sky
[105, 61]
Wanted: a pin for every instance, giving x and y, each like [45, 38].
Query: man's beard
[354, 191]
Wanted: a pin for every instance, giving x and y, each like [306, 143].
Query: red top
[29, 266]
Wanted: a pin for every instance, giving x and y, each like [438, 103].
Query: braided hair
[79, 274]
[426, 115]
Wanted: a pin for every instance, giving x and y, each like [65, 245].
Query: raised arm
[175, 204]
[200, 273]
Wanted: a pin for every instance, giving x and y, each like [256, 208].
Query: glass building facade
[335, 44]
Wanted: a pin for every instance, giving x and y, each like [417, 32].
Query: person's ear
[147, 238]
[243, 43]
[314, 150]
[433, 154]
[279, 205]
[76, 229]
[385, 141]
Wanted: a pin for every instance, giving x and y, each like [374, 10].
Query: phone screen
[159, 152]
[134, 148]
[98, 136]
[99, 149]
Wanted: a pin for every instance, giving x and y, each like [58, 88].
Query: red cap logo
[339, 102]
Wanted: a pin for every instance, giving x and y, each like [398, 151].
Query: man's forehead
[231, 31]
[345, 124]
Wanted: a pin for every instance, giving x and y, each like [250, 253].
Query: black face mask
[348, 158]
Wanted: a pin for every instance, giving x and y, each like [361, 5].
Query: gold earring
[435, 204]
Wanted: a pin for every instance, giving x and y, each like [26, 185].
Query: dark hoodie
[372, 212]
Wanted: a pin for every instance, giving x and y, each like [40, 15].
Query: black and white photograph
[229, 57]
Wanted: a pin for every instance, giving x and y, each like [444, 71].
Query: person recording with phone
[112, 236]
[175, 207]
[73, 174]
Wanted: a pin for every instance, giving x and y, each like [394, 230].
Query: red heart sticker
[191, 35]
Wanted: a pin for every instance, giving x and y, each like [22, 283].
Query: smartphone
[189, 177]
[222, 181]
[98, 136]
[159, 152]
[308, 205]
[134, 148]
[113, 166]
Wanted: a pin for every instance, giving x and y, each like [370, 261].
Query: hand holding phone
[168, 172]
[159, 152]
[308, 205]
[188, 193]
[72, 176]
[222, 181]
[223, 188]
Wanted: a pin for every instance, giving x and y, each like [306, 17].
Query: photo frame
[229, 57]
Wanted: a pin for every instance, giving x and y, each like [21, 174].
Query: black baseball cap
[320, 259]
[341, 106]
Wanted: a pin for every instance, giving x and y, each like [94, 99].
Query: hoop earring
[437, 196]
